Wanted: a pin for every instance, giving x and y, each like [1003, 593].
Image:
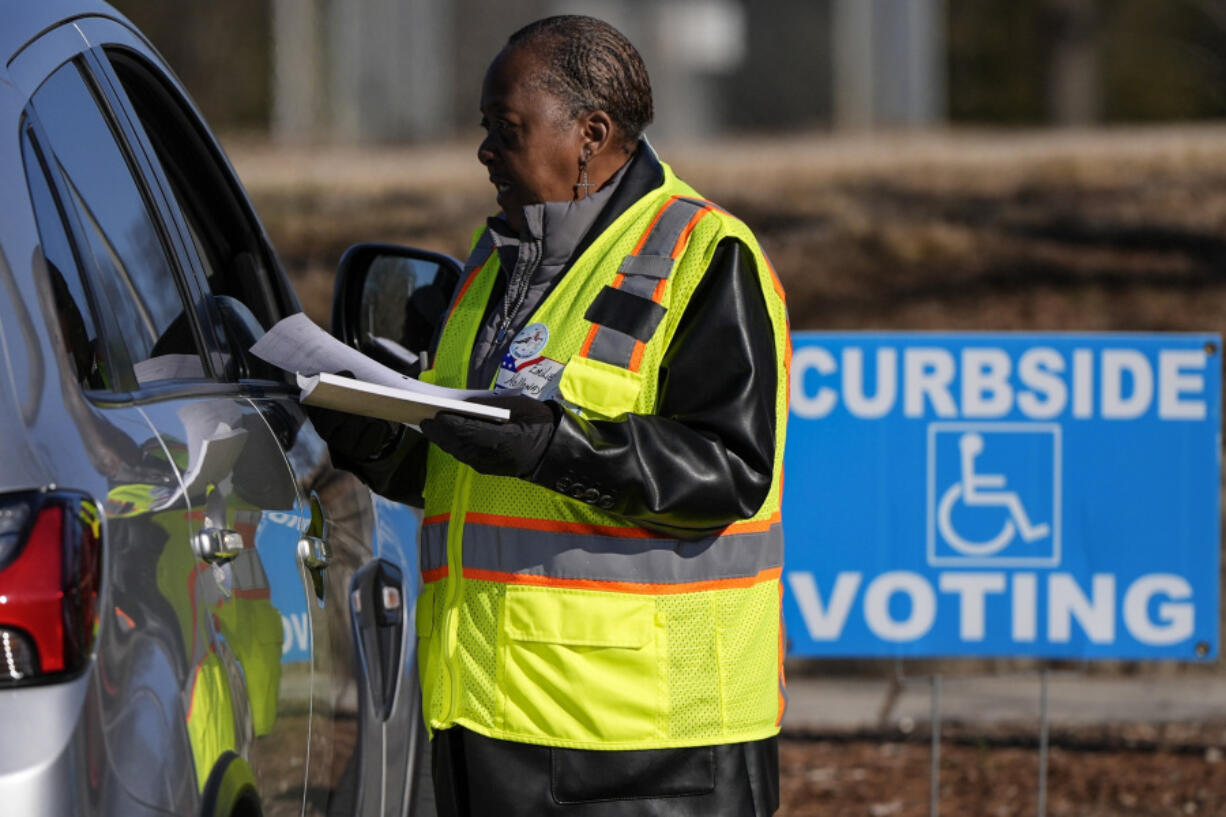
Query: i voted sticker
[530, 341]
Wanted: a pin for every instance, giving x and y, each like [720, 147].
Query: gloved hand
[510, 449]
[354, 436]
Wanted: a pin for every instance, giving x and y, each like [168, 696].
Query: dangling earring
[583, 182]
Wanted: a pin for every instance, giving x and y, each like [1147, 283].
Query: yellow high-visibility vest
[546, 619]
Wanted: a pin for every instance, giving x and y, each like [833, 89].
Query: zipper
[519, 282]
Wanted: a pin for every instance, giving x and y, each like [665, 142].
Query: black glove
[510, 449]
[354, 437]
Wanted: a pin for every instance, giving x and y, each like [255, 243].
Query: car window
[119, 244]
[74, 307]
[236, 259]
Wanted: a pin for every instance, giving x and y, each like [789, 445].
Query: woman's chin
[512, 210]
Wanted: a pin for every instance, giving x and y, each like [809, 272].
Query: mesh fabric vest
[546, 619]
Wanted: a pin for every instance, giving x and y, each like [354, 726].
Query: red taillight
[50, 574]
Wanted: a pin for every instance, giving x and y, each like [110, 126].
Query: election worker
[600, 621]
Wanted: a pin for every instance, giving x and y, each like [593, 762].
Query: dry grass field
[1116, 230]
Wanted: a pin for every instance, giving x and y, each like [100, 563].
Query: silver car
[198, 613]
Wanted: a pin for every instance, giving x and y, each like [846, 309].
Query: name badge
[526, 369]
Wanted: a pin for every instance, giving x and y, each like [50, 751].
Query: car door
[362, 708]
[204, 575]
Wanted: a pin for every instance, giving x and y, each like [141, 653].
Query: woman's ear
[596, 130]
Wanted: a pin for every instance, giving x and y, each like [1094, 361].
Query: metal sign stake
[934, 785]
[1043, 730]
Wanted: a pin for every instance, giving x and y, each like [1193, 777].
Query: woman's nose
[485, 153]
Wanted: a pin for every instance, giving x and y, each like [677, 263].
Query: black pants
[476, 776]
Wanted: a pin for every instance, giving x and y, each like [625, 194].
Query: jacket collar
[566, 229]
[554, 227]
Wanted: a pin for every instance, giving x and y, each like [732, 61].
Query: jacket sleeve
[704, 460]
[398, 473]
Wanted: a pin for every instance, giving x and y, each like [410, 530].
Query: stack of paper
[296, 344]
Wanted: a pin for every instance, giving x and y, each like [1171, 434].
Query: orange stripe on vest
[640, 588]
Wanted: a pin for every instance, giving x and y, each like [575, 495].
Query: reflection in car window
[238, 264]
[72, 307]
[230, 245]
[131, 263]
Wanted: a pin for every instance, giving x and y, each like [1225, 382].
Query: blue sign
[276, 539]
[1048, 496]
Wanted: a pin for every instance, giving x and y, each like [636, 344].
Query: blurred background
[378, 71]
[908, 164]
[1002, 164]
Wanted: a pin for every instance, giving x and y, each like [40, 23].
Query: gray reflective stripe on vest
[433, 546]
[613, 347]
[643, 271]
[593, 557]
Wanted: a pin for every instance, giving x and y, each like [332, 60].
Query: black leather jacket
[704, 460]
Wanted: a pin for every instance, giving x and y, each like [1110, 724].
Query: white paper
[297, 344]
[214, 442]
[206, 419]
[388, 403]
[168, 367]
[214, 460]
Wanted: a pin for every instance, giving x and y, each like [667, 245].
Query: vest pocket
[603, 390]
[423, 614]
[580, 666]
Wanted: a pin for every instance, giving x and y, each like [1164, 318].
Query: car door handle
[217, 545]
[314, 552]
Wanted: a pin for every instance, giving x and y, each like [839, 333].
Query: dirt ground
[983, 778]
[1124, 230]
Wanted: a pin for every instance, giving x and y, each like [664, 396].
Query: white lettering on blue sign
[295, 634]
[281, 518]
[981, 383]
[1070, 607]
[981, 494]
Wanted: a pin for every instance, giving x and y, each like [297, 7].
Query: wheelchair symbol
[984, 490]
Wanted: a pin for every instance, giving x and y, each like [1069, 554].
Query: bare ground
[990, 777]
[1121, 230]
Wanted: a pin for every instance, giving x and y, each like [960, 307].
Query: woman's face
[532, 145]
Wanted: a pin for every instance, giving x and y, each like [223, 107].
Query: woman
[599, 625]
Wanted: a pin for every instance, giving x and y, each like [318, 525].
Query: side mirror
[389, 301]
